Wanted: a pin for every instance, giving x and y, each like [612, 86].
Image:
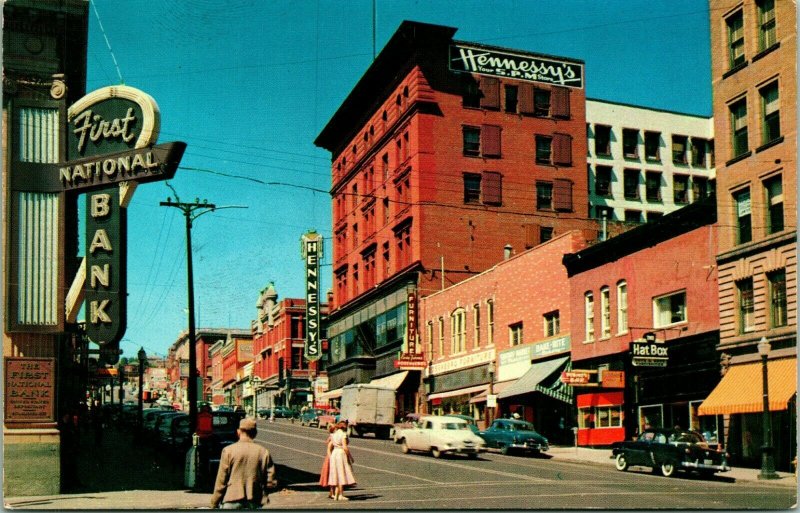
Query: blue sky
[248, 85]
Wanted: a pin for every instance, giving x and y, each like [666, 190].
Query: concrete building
[44, 71]
[652, 283]
[443, 153]
[643, 162]
[754, 79]
[504, 328]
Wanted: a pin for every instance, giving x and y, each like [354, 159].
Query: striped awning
[496, 389]
[740, 390]
[543, 377]
[460, 391]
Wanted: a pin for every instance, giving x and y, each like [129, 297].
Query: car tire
[436, 453]
[504, 449]
[404, 446]
[667, 469]
[621, 463]
[472, 455]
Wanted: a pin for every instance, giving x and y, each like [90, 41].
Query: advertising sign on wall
[311, 248]
[30, 390]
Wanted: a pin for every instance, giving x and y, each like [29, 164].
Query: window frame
[515, 334]
[622, 307]
[743, 222]
[544, 149]
[472, 188]
[735, 36]
[490, 322]
[627, 174]
[648, 191]
[588, 317]
[542, 198]
[648, 146]
[768, 119]
[598, 190]
[745, 306]
[605, 312]
[774, 205]
[676, 197]
[476, 325]
[680, 155]
[458, 331]
[600, 149]
[471, 148]
[657, 311]
[627, 133]
[740, 143]
[552, 323]
[766, 26]
[778, 302]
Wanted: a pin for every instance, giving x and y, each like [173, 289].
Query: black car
[669, 450]
[224, 425]
[510, 434]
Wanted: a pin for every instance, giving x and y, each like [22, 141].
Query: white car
[441, 435]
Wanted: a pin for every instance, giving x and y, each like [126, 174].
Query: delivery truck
[368, 409]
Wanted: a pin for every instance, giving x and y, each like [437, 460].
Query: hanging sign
[311, 250]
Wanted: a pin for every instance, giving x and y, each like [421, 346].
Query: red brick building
[439, 160]
[237, 351]
[506, 327]
[278, 341]
[657, 279]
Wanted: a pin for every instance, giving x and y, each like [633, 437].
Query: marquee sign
[311, 250]
[499, 63]
[411, 359]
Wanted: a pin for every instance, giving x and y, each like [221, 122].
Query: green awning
[544, 378]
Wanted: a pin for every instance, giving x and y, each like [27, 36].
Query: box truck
[368, 409]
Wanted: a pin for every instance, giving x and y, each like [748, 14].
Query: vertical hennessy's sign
[312, 252]
[111, 134]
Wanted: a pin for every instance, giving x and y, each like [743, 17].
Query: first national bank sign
[485, 61]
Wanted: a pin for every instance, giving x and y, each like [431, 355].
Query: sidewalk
[132, 476]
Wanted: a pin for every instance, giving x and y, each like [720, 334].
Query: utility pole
[192, 211]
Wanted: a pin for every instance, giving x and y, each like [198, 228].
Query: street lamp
[767, 459]
[490, 411]
[142, 359]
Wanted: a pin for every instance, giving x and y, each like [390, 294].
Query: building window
[385, 211]
[476, 326]
[441, 336]
[541, 102]
[472, 188]
[744, 232]
[680, 147]
[653, 186]
[652, 145]
[631, 184]
[766, 20]
[735, 24]
[356, 283]
[602, 140]
[472, 141]
[770, 113]
[544, 149]
[700, 187]
[680, 189]
[774, 190]
[369, 269]
[511, 98]
[515, 334]
[552, 324]
[458, 331]
[355, 236]
[602, 181]
[633, 216]
[403, 242]
[622, 307]
[605, 312]
[699, 151]
[777, 298]
[472, 94]
[630, 143]
[653, 216]
[669, 309]
[562, 195]
[386, 262]
[747, 311]
[430, 338]
[738, 112]
[588, 308]
[544, 196]
[545, 234]
[490, 321]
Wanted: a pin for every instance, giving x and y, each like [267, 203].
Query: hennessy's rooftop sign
[485, 61]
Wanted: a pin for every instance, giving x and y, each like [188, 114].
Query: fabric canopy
[496, 388]
[740, 390]
[460, 391]
[330, 394]
[539, 379]
[394, 381]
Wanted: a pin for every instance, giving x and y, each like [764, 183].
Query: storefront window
[585, 418]
[600, 417]
[651, 416]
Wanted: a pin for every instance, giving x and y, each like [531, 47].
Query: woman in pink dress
[326, 465]
[341, 473]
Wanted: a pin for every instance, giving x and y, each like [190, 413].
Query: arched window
[588, 300]
[458, 331]
[622, 307]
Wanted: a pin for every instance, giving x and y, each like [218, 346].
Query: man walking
[246, 471]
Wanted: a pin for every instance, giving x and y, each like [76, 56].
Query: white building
[644, 162]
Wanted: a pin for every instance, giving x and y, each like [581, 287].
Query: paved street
[126, 475]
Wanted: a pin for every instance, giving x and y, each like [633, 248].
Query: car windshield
[454, 425]
[522, 426]
[686, 437]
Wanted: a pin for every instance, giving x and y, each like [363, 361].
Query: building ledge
[750, 248]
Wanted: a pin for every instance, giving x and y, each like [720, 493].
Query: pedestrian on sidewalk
[246, 472]
[341, 472]
[326, 464]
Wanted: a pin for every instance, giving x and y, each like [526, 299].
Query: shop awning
[539, 378]
[330, 394]
[740, 390]
[496, 388]
[460, 391]
[394, 381]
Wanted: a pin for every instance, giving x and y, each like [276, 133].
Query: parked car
[669, 450]
[155, 434]
[165, 429]
[180, 438]
[224, 425]
[511, 434]
[408, 421]
[263, 412]
[311, 416]
[282, 412]
[441, 435]
[152, 416]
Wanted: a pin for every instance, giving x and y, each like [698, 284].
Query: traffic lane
[380, 466]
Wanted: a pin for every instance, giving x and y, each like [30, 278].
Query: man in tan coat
[245, 473]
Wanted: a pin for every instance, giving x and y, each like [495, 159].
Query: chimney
[507, 251]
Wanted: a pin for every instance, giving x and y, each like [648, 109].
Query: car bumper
[530, 447]
[705, 466]
[463, 450]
